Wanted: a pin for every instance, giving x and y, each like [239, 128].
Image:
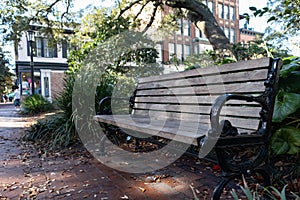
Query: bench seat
[181, 131]
[178, 130]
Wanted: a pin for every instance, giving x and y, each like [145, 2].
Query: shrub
[36, 104]
[56, 130]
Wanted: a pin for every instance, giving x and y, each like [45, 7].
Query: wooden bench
[227, 107]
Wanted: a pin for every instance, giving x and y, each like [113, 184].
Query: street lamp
[30, 36]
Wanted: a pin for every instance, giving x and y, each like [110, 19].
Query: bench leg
[219, 188]
[224, 182]
[137, 144]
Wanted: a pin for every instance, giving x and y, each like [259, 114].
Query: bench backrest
[189, 95]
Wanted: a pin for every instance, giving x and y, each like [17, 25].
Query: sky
[258, 23]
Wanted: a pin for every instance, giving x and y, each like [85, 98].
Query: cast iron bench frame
[250, 70]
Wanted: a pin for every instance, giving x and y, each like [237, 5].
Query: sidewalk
[28, 173]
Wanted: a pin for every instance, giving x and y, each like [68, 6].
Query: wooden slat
[246, 123]
[182, 131]
[244, 65]
[195, 109]
[255, 75]
[241, 88]
[176, 99]
[179, 132]
[183, 100]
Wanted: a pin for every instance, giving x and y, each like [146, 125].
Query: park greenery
[6, 77]
[101, 25]
[35, 104]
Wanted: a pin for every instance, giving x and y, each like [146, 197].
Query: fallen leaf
[125, 197]
[142, 189]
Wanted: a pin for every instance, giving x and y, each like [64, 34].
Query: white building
[50, 63]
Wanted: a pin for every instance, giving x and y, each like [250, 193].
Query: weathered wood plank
[244, 65]
[246, 123]
[184, 100]
[255, 75]
[241, 88]
[166, 130]
[195, 109]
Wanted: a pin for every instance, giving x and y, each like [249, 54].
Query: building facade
[191, 40]
[49, 64]
[247, 35]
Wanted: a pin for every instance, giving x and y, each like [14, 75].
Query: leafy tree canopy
[5, 75]
[284, 21]
[17, 15]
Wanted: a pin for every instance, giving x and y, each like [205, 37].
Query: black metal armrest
[218, 105]
[102, 102]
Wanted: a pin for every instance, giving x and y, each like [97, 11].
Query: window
[227, 33]
[232, 35]
[179, 31]
[186, 27]
[187, 50]
[44, 48]
[64, 49]
[48, 51]
[38, 42]
[171, 50]
[231, 12]
[226, 12]
[221, 10]
[179, 52]
[210, 5]
[198, 33]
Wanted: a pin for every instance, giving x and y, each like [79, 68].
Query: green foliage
[57, 130]
[203, 59]
[91, 40]
[291, 64]
[283, 17]
[35, 104]
[5, 76]
[286, 140]
[286, 117]
[253, 50]
[286, 104]
[267, 193]
[17, 16]
[99, 29]
[261, 193]
[287, 13]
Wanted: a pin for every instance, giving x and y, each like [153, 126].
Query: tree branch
[199, 12]
[141, 10]
[156, 6]
[128, 7]
[67, 10]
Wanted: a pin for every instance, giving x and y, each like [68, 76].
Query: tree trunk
[198, 12]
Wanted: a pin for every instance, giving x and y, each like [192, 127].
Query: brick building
[190, 40]
[247, 35]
